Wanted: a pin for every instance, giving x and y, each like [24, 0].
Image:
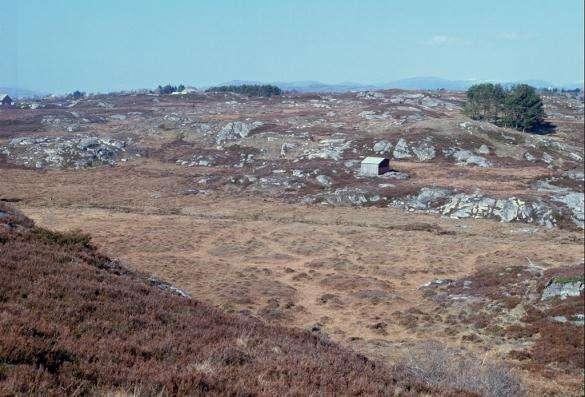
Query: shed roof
[373, 160]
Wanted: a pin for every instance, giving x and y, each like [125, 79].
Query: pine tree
[523, 108]
[485, 101]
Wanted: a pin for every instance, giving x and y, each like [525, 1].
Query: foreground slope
[74, 322]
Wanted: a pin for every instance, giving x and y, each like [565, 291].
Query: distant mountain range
[413, 83]
[15, 92]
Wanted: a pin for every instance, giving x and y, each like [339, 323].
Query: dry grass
[69, 326]
[276, 261]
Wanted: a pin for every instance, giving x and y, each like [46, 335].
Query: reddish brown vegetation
[561, 344]
[73, 323]
[494, 292]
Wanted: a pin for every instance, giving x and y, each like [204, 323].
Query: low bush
[443, 367]
[69, 238]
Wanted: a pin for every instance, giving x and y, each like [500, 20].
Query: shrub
[440, 366]
[69, 238]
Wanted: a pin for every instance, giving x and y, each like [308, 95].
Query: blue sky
[103, 45]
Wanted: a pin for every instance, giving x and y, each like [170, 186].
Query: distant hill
[412, 83]
[316, 86]
[430, 83]
[534, 83]
[311, 86]
[308, 86]
[15, 92]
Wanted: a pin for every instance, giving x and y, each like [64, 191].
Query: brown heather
[74, 323]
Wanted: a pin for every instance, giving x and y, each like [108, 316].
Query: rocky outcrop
[382, 147]
[64, 152]
[345, 196]
[423, 150]
[235, 130]
[371, 115]
[370, 95]
[466, 157]
[574, 201]
[575, 175]
[563, 287]
[324, 180]
[401, 150]
[426, 199]
[462, 205]
[419, 99]
[483, 149]
[205, 161]
[332, 149]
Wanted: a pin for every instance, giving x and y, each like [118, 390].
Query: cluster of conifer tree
[169, 89]
[519, 107]
[253, 90]
[76, 95]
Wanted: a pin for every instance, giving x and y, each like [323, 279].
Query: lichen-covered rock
[351, 163]
[64, 152]
[574, 174]
[483, 149]
[328, 149]
[370, 95]
[371, 115]
[285, 148]
[382, 146]
[563, 287]
[463, 205]
[575, 202]
[513, 209]
[347, 196]
[547, 158]
[424, 151]
[429, 102]
[401, 150]
[428, 198]
[466, 157]
[235, 130]
[394, 175]
[324, 180]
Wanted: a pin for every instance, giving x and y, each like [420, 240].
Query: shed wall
[369, 169]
